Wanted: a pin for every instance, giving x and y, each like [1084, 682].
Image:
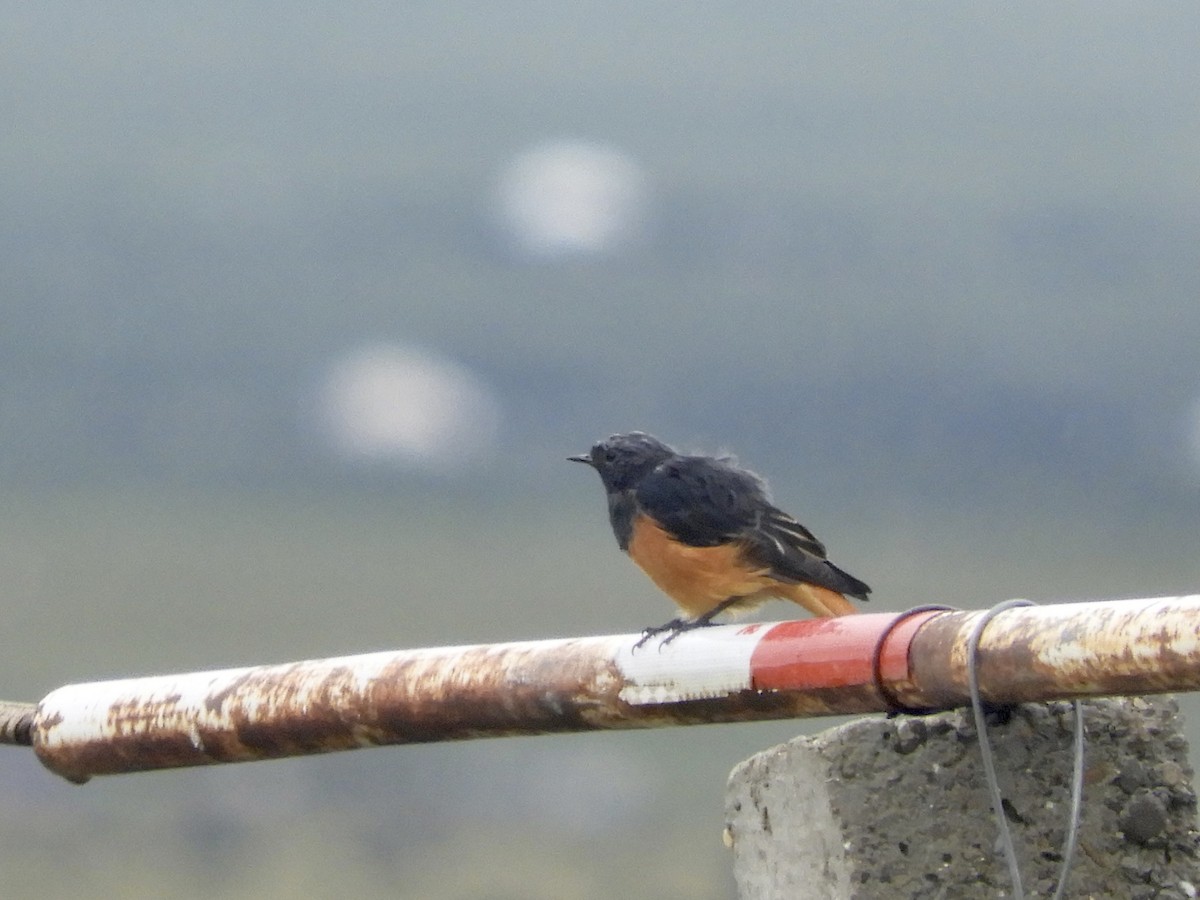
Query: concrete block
[899, 808]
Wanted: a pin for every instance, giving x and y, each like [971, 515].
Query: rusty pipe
[814, 667]
[16, 721]
[1058, 652]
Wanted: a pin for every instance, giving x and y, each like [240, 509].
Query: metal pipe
[814, 667]
[1114, 647]
[16, 720]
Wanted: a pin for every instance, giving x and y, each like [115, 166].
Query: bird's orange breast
[700, 578]
[696, 578]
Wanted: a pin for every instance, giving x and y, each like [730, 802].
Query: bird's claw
[650, 632]
[675, 627]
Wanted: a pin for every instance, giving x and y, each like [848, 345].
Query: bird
[708, 535]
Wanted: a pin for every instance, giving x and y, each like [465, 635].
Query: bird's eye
[609, 454]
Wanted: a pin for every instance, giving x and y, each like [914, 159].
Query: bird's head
[624, 459]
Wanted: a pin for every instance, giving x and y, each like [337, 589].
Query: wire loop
[895, 707]
[989, 765]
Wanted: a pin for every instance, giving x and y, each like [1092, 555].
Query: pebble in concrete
[899, 808]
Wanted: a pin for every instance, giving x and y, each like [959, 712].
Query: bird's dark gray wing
[700, 501]
[793, 554]
[706, 502]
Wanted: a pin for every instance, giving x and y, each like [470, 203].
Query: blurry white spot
[572, 197]
[408, 406]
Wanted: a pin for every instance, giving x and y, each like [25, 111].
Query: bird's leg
[707, 618]
[676, 627]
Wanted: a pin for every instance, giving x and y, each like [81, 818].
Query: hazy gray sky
[911, 213]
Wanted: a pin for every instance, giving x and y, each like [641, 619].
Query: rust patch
[16, 722]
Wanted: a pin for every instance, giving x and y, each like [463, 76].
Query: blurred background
[303, 308]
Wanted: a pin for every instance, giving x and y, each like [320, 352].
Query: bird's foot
[648, 633]
[673, 629]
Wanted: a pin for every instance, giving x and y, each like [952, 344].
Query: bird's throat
[621, 508]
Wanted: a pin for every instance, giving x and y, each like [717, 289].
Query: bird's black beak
[583, 458]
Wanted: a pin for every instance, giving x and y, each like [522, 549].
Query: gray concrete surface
[899, 808]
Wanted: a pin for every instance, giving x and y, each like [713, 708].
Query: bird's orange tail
[818, 600]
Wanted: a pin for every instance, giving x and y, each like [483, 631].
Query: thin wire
[1076, 805]
[985, 749]
[989, 765]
